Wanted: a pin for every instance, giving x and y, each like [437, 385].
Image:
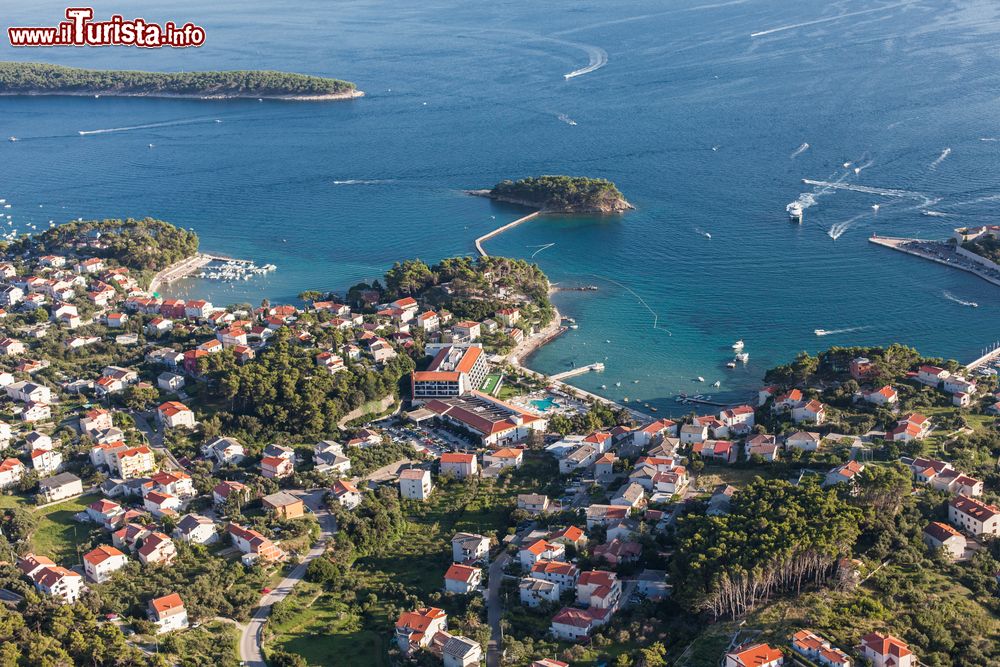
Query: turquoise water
[544, 405]
[701, 124]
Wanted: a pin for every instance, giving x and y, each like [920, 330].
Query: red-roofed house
[414, 629]
[812, 412]
[173, 414]
[941, 536]
[504, 458]
[168, 613]
[718, 450]
[973, 516]
[541, 550]
[102, 562]
[254, 545]
[459, 464]
[598, 588]
[462, 579]
[157, 548]
[886, 651]
[572, 624]
[754, 655]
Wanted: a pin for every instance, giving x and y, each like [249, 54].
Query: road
[155, 439]
[494, 608]
[252, 638]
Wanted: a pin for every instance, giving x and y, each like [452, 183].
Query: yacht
[795, 212]
[738, 345]
[743, 356]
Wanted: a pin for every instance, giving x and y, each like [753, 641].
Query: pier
[501, 230]
[990, 354]
[702, 401]
[596, 368]
[939, 252]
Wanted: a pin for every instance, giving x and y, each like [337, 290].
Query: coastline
[350, 95]
[899, 244]
[178, 270]
[501, 230]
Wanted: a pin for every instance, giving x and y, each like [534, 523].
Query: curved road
[252, 639]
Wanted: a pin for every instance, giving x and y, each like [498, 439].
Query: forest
[39, 78]
[563, 194]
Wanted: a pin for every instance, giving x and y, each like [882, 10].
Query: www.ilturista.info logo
[79, 29]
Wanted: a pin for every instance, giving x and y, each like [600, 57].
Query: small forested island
[44, 79]
[560, 194]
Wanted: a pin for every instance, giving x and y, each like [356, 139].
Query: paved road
[494, 608]
[155, 439]
[252, 638]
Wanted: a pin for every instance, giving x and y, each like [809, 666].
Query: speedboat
[701, 379]
[821, 332]
[717, 383]
[731, 364]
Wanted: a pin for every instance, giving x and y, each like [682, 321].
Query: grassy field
[7, 502]
[58, 534]
[325, 631]
[490, 383]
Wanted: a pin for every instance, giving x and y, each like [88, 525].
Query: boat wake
[831, 332]
[703, 233]
[828, 19]
[837, 230]
[566, 119]
[952, 297]
[598, 59]
[884, 192]
[363, 181]
[937, 214]
[545, 246]
[147, 126]
[799, 151]
[989, 138]
[941, 158]
[656, 317]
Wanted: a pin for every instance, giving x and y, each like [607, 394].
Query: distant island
[560, 194]
[44, 79]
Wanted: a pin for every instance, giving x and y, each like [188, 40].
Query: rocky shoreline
[617, 207]
[349, 95]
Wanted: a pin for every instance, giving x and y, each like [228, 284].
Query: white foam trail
[830, 332]
[828, 19]
[937, 214]
[799, 151]
[989, 139]
[941, 158]
[862, 167]
[360, 181]
[839, 228]
[885, 192]
[566, 119]
[978, 200]
[147, 126]
[540, 248]
[952, 297]
[598, 59]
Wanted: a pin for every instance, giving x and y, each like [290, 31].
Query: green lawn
[7, 502]
[490, 383]
[58, 534]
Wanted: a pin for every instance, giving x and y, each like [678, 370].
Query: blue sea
[708, 115]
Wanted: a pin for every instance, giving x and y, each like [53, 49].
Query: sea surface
[708, 115]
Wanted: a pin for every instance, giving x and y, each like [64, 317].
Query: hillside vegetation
[41, 78]
[563, 194]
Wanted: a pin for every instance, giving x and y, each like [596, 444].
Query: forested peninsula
[560, 194]
[45, 79]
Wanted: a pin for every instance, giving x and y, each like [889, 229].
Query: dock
[702, 401]
[991, 353]
[939, 252]
[596, 368]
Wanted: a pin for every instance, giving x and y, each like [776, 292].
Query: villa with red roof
[973, 516]
[754, 655]
[168, 613]
[102, 562]
[459, 464]
[174, 414]
[414, 629]
[886, 651]
[462, 579]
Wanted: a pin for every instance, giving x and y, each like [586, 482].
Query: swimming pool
[544, 404]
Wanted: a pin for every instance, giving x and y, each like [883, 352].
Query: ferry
[795, 212]
[738, 345]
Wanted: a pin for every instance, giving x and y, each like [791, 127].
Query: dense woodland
[563, 194]
[44, 78]
[986, 246]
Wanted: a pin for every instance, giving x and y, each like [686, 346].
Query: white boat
[618, 384]
[574, 326]
[743, 356]
[738, 345]
[821, 332]
[701, 379]
[717, 383]
[731, 364]
[604, 386]
[794, 212]
[11, 138]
